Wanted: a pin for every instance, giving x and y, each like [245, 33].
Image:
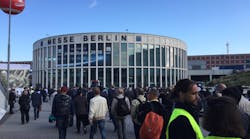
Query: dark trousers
[81, 119]
[11, 108]
[36, 112]
[137, 130]
[25, 115]
[62, 123]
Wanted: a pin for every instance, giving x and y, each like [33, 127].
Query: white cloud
[93, 4]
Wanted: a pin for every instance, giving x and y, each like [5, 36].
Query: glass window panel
[53, 78]
[158, 78]
[108, 54]
[167, 57]
[124, 77]
[152, 54]
[71, 78]
[59, 78]
[93, 74]
[93, 54]
[71, 55]
[59, 55]
[152, 79]
[65, 55]
[116, 54]
[54, 57]
[157, 49]
[49, 57]
[131, 77]
[163, 78]
[138, 52]
[85, 76]
[116, 76]
[100, 54]
[138, 38]
[145, 76]
[100, 75]
[163, 54]
[49, 77]
[65, 74]
[78, 77]
[78, 55]
[124, 54]
[138, 77]
[145, 54]
[85, 54]
[131, 54]
[108, 77]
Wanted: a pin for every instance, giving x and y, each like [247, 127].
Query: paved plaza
[42, 129]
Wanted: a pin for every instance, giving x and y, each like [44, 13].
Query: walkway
[42, 129]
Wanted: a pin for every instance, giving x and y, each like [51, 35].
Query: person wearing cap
[184, 120]
[36, 99]
[61, 109]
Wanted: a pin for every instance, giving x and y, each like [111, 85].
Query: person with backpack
[120, 108]
[135, 110]
[152, 115]
[62, 109]
[184, 120]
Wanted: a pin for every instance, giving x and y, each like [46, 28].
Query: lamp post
[11, 7]
[8, 65]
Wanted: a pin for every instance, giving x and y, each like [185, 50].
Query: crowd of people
[156, 113]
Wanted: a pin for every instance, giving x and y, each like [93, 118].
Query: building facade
[208, 67]
[226, 61]
[113, 58]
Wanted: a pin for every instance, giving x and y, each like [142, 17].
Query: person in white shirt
[98, 109]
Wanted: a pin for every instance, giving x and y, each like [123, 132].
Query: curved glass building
[114, 58]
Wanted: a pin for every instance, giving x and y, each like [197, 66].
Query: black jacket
[180, 128]
[24, 102]
[36, 98]
[12, 98]
[81, 106]
[62, 105]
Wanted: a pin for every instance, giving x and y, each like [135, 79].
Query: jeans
[121, 128]
[93, 128]
[36, 112]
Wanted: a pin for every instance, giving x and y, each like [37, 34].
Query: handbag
[52, 118]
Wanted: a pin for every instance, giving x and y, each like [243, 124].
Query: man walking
[36, 99]
[61, 109]
[98, 110]
[183, 123]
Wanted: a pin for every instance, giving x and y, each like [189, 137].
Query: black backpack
[122, 107]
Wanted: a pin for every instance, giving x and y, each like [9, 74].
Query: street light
[11, 7]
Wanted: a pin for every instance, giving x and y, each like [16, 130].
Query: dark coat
[12, 98]
[61, 105]
[36, 98]
[81, 106]
[24, 102]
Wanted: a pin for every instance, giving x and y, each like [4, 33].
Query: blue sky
[205, 25]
